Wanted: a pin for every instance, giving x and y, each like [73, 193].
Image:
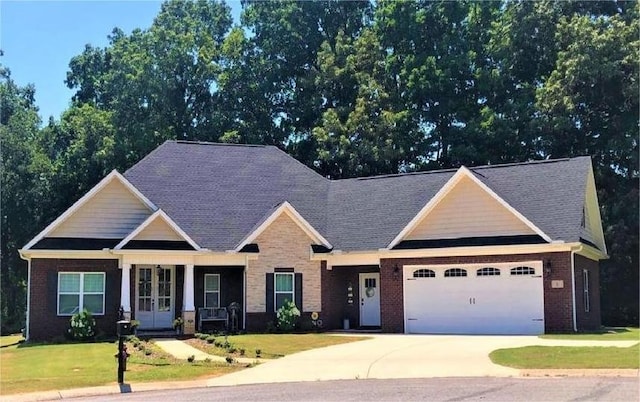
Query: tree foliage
[350, 89]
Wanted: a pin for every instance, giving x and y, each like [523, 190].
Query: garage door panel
[496, 304]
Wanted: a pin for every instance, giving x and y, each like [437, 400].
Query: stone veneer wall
[283, 245]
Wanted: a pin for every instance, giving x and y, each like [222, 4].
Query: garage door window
[455, 272]
[523, 271]
[488, 271]
[424, 273]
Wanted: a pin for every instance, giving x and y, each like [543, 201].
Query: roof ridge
[226, 144]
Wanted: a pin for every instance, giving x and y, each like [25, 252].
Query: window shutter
[298, 295]
[270, 301]
[111, 291]
[52, 292]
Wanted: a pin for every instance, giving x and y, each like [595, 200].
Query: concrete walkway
[182, 350]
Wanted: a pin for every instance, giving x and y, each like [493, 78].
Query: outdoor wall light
[547, 268]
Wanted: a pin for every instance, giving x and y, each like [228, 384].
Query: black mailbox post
[123, 329]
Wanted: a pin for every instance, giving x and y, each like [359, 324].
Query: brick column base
[189, 318]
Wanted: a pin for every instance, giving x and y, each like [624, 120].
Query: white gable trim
[114, 175]
[288, 209]
[592, 208]
[440, 195]
[159, 214]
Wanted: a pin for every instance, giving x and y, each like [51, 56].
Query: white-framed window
[212, 290]
[585, 287]
[78, 291]
[488, 271]
[283, 288]
[455, 273]
[424, 273]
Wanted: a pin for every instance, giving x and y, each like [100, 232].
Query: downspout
[26, 325]
[244, 293]
[573, 287]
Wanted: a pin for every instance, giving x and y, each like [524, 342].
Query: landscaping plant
[83, 326]
[287, 316]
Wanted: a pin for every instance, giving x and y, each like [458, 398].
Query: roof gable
[284, 209]
[110, 210]
[157, 227]
[591, 225]
[511, 217]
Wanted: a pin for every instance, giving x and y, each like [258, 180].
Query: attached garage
[504, 298]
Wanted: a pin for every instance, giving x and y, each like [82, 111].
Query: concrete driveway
[396, 356]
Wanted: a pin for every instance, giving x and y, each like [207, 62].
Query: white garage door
[474, 299]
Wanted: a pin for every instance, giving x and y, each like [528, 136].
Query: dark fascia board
[250, 248]
[588, 243]
[320, 249]
[74, 243]
[470, 241]
[157, 245]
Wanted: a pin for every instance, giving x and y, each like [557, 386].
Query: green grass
[31, 368]
[274, 345]
[607, 334]
[568, 357]
[9, 340]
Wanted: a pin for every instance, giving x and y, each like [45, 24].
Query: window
[283, 289]
[455, 272]
[424, 273]
[81, 290]
[488, 271]
[523, 271]
[585, 286]
[212, 290]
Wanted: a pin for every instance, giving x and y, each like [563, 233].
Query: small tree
[83, 326]
[287, 315]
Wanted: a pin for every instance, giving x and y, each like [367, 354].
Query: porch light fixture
[158, 270]
[396, 271]
[547, 268]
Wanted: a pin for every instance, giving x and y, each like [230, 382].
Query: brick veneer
[557, 302]
[587, 320]
[44, 322]
[335, 306]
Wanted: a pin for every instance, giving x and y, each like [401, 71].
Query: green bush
[191, 359]
[287, 316]
[83, 326]
[211, 339]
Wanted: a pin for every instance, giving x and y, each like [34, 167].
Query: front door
[370, 299]
[155, 296]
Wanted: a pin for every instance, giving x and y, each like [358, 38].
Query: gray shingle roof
[219, 193]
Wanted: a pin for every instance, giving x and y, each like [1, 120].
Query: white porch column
[188, 288]
[189, 310]
[125, 289]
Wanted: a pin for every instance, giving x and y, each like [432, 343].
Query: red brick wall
[557, 302]
[335, 306]
[587, 320]
[44, 322]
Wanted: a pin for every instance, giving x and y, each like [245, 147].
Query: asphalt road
[434, 389]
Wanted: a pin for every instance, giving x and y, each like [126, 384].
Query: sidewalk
[182, 350]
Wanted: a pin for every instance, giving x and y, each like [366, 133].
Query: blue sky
[39, 38]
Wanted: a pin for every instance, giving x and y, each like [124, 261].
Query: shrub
[242, 351]
[191, 359]
[203, 336]
[258, 352]
[147, 352]
[83, 326]
[287, 316]
[217, 344]
[229, 359]
[211, 339]
[231, 349]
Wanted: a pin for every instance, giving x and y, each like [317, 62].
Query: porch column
[189, 309]
[125, 291]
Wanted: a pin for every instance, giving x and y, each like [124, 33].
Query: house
[504, 249]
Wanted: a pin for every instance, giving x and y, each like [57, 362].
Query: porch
[157, 294]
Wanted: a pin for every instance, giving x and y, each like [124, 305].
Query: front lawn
[568, 357]
[270, 345]
[31, 368]
[607, 334]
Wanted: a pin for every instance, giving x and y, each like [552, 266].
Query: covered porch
[157, 289]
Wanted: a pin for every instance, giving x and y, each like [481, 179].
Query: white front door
[370, 299]
[155, 296]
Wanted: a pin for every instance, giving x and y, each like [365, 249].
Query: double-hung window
[212, 290]
[78, 291]
[283, 289]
